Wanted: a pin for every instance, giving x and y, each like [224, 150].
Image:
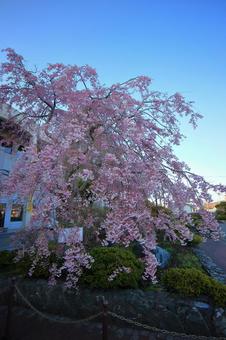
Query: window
[16, 213]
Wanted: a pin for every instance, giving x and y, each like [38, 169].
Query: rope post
[8, 324]
[104, 319]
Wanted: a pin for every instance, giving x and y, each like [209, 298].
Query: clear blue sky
[181, 44]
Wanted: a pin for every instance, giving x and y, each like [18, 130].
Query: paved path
[216, 250]
[5, 243]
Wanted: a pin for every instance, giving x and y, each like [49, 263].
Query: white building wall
[8, 157]
[7, 160]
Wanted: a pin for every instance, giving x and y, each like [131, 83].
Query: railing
[14, 290]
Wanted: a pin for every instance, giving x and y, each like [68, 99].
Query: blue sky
[180, 44]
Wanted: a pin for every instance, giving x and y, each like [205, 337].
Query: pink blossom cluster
[119, 270]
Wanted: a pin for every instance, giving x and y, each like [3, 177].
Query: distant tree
[221, 211]
[101, 145]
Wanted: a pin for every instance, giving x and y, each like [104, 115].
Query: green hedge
[106, 261]
[193, 282]
[41, 269]
[6, 259]
[197, 239]
[187, 259]
[22, 267]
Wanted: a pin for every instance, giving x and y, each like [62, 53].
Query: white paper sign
[65, 233]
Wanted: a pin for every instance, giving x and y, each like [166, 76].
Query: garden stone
[195, 322]
[218, 312]
[219, 321]
[201, 305]
[169, 320]
[162, 256]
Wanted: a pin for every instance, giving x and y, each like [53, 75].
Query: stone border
[158, 309]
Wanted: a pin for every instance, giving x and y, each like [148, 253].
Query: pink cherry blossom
[92, 144]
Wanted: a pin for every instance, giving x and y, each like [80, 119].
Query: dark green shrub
[197, 239]
[53, 245]
[22, 267]
[156, 210]
[187, 259]
[41, 269]
[193, 282]
[6, 259]
[186, 281]
[25, 263]
[106, 261]
[218, 293]
[137, 249]
[196, 222]
[153, 287]
[196, 216]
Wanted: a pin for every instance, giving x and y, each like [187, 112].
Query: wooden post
[8, 324]
[105, 319]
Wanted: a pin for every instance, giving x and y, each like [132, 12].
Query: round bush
[197, 239]
[108, 260]
[193, 282]
[186, 281]
[218, 293]
[187, 259]
[41, 270]
[6, 258]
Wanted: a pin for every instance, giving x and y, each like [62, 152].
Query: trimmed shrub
[41, 270]
[137, 249]
[6, 259]
[187, 259]
[109, 261]
[196, 216]
[193, 282]
[186, 281]
[218, 293]
[158, 209]
[197, 239]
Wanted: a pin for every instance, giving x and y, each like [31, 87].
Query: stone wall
[155, 308]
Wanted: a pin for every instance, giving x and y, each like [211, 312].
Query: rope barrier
[114, 315]
[163, 331]
[3, 291]
[54, 319]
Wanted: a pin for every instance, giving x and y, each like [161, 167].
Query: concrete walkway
[216, 250]
[5, 241]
